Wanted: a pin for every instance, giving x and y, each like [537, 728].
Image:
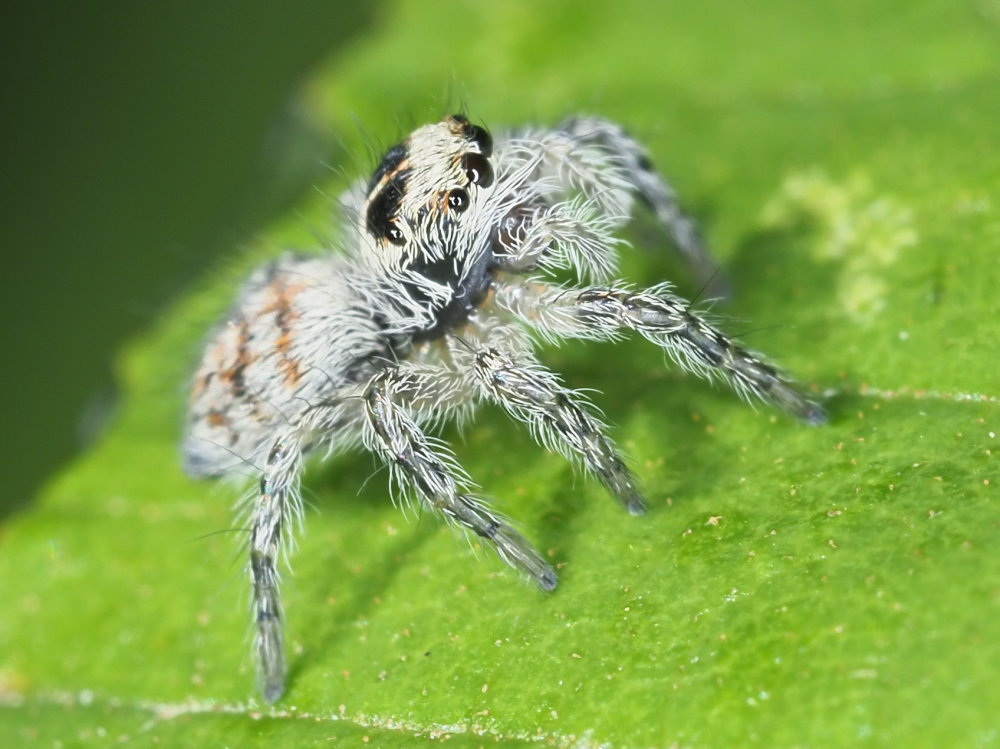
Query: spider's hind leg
[609, 166]
[277, 503]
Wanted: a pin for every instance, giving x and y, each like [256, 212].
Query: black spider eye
[394, 234]
[477, 169]
[458, 200]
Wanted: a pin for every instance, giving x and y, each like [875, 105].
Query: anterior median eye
[477, 169]
[458, 200]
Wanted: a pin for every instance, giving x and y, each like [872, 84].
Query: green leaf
[790, 586]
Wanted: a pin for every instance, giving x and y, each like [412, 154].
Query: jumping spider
[447, 280]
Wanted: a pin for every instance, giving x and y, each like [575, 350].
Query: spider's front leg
[601, 312]
[559, 418]
[392, 433]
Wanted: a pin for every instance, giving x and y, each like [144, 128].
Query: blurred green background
[140, 142]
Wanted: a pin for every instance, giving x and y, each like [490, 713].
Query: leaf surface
[789, 587]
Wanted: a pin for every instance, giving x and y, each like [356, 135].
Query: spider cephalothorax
[422, 218]
[448, 280]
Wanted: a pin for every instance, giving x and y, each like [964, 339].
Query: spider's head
[418, 193]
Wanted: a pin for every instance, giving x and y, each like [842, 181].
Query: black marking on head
[383, 207]
[475, 134]
[390, 163]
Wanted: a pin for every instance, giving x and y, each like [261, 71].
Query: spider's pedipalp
[572, 234]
